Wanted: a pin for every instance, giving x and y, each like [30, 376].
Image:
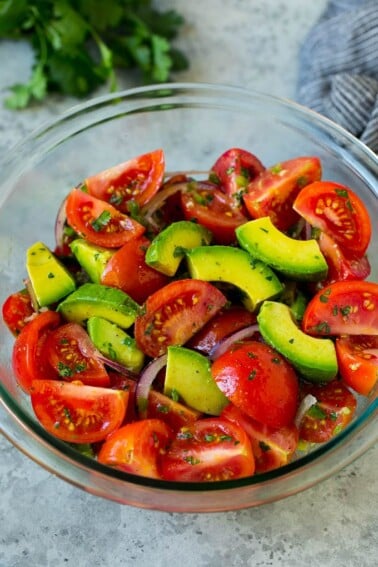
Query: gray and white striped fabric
[338, 67]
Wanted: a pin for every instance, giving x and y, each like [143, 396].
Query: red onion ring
[161, 196]
[31, 292]
[145, 382]
[117, 366]
[60, 222]
[226, 343]
[307, 403]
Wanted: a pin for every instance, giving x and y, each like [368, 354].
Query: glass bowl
[194, 124]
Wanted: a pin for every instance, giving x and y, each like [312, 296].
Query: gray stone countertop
[45, 522]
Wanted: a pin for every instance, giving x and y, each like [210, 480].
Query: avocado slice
[114, 343]
[296, 259]
[92, 299]
[168, 248]
[91, 258]
[50, 280]
[221, 263]
[314, 358]
[188, 375]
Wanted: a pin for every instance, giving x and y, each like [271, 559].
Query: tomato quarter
[78, 413]
[209, 450]
[17, 310]
[98, 222]
[259, 381]
[337, 211]
[137, 179]
[343, 308]
[358, 361]
[174, 313]
[136, 447]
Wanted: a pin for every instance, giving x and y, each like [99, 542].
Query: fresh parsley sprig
[79, 44]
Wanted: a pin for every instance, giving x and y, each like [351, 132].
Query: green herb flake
[191, 460]
[252, 375]
[50, 275]
[316, 412]
[174, 395]
[264, 446]
[101, 221]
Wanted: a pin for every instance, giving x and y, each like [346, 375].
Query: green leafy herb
[79, 44]
[102, 220]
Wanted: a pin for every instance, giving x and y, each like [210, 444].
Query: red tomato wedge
[357, 357]
[174, 414]
[136, 447]
[174, 313]
[273, 192]
[209, 450]
[233, 170]
[224, 323]
[339, 212]
[71, 353]
[213, 209]
[127, 270]
[334, 409]
[16, 311]
[137, 179]
[28, 360]
[343, 308]
[98, 222]
[78, 413]
[272, 448]
[341, 268]
[259, 381]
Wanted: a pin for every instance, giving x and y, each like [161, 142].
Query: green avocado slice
[314, 358]
[296, 259]
[168, 248]
[91, 258]
[92, 299]
[220, 263]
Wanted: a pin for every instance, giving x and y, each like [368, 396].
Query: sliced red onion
[161, 196]
[31, 292]
[118, 367]
[308, 231]
[307, 403]
[226, 343]
[60, 224]
[145, 382]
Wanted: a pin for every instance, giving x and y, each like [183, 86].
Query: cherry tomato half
[78, 413]
[213, 209]
[135, 447]
[71, 353]
[333, 410]
[273, 192]
[338, 211]
[174, 414]
[174, 313]
[259, 381]
[343, 308]
[28, 360]
[98, 222]
[16, 311]
[233, 170]
[340, 267]
[357, 357]
[127, 270]
[137, 179]
[272, 448]
[209, 450]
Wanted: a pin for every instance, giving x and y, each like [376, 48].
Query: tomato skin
[78, 413]
[357, 358]
[341, 268]
[127, 270]
[174, 313]
[273, 192]
[259, 381]
[99, 222]
[343, 308]
[209, 450]
[234, 169]
[336, 210]
[122, 382]
[213, 209]
[71, 353]
[332, 412]
[137, 179]
[272, 448]
[226, 322]
[16, 311]
[135, 447]
[28, 360]
[174, 414]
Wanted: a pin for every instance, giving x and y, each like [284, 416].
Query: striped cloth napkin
[338, 67]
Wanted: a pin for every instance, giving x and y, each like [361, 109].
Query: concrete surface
[45, 522]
